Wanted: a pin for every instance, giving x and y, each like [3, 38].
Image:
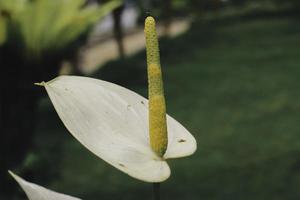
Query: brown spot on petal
[181, 140]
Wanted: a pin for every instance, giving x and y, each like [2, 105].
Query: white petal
[181, 142]
[112, 122]
[109, 120]
[36, 192]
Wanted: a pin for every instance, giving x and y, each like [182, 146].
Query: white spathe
[36, 192]
[112, 122]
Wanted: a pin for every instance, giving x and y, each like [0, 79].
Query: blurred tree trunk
[118, 32]
[216, 4]
[167, 15]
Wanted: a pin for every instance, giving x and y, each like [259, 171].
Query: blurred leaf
[2, 30]
[43, 26]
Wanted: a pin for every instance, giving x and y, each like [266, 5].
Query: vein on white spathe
[36, 192]
[112, 122]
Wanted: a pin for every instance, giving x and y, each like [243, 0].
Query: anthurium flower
[36, 192]
[120, 126]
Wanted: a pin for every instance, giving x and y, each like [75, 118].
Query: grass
[235, 86]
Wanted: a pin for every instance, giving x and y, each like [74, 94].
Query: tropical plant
[35, 37]
[41, 27]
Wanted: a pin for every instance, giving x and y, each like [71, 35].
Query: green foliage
[41, 26]
[2, 30]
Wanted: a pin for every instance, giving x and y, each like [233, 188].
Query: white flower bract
[112, 122]
[36, 192]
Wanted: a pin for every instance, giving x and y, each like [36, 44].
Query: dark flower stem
[156, 191]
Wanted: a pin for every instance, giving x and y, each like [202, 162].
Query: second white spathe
[37, 192]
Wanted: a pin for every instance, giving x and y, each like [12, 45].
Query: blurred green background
[232, 79]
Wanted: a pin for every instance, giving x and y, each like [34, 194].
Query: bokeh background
[231, 72]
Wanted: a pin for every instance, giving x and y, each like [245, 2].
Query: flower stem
[156, 191]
